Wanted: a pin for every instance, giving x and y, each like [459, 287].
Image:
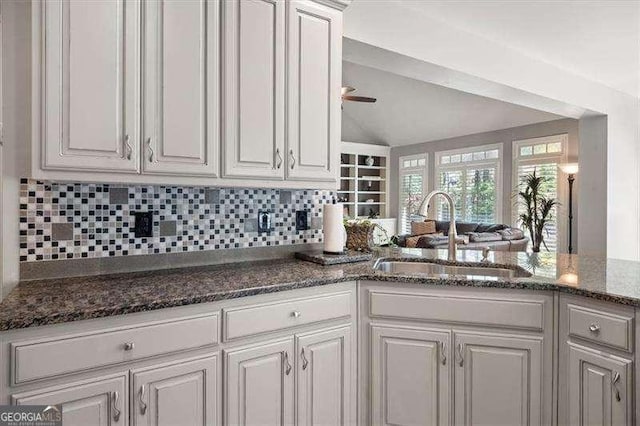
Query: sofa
[471, 236]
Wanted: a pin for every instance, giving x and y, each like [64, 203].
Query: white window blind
[413, 184]
[542, 155]
[470, 176]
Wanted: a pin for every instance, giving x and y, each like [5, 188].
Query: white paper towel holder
[344, 240]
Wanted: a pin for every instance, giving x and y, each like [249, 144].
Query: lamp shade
[569, 168]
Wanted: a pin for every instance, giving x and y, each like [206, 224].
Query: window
[472, 177]
[542, 155]
[413, 185]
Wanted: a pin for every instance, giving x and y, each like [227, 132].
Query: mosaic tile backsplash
[81, 220]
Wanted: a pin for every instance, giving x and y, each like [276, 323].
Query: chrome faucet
[423, 210]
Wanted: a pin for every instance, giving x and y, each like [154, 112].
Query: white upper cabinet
[90, 85]
[181, 87]
[184, 91]
[254, 88]
[314, 40]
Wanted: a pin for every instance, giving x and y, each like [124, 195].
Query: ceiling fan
[347, 97]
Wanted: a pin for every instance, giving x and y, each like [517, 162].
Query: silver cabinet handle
[143, 405]
[127, 145]
[150, 150]
[287, 365]
[279, 162]
[443, 353]
[594, 328]
[305, 361]
[114, 405]
[129, 346]
[293, 159]
[614, 383]
[460, 356]
[296, 314]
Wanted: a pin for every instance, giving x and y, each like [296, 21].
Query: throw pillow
[422, 228]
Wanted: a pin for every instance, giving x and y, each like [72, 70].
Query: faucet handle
[485, 254]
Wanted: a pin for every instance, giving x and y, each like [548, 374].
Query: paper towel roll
[333, 228]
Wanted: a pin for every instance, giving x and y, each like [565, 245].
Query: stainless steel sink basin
[436, 269]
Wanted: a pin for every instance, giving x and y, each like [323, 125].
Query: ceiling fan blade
[347, 89]
[358, 98]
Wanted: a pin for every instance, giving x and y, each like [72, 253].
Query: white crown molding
[336, 4]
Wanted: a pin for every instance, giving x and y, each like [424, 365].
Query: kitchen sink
[437, 269]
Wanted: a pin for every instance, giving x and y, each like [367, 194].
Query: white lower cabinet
[410, 376]
[177, 394]
[325, 377]
[259, 384]
[498, 379]
[99, 402]
[259, 380]
[600, 388]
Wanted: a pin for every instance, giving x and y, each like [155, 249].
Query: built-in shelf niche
[364, 180]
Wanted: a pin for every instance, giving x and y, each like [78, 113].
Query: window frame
[411, 170]
[562, 188]
[497, 162]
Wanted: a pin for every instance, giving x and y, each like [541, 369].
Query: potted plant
[537, 209]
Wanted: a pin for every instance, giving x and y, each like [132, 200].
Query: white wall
[492, 69]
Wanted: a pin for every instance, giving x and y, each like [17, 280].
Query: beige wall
[504, 137]
[16, 109]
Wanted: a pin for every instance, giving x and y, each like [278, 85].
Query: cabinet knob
[594, 328]
[129, 346]
[296, 314]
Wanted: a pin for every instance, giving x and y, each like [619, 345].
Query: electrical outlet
[143, 224]
[302, 220]
[264, 221]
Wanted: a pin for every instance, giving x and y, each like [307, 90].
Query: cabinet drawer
[600, 326]
[495, 311]
[250, 320]
[38, 359]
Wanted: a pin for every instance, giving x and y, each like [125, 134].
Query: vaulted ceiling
[409, 111]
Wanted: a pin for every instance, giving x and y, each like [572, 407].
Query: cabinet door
[498, 379]
[325, 379]
[254, 88]
[410, 376]
[259, 384]
[90, 85]
[185, 393]
[314, 78]
[599, 388]
[100, 402]
[181, 89]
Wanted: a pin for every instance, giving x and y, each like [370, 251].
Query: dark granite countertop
[43, 302]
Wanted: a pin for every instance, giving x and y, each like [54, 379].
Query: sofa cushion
[422, 228]
[511, 234]
[466, 227]
[491, 227]
[461, 227]
[424, 241]
[482, 237]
